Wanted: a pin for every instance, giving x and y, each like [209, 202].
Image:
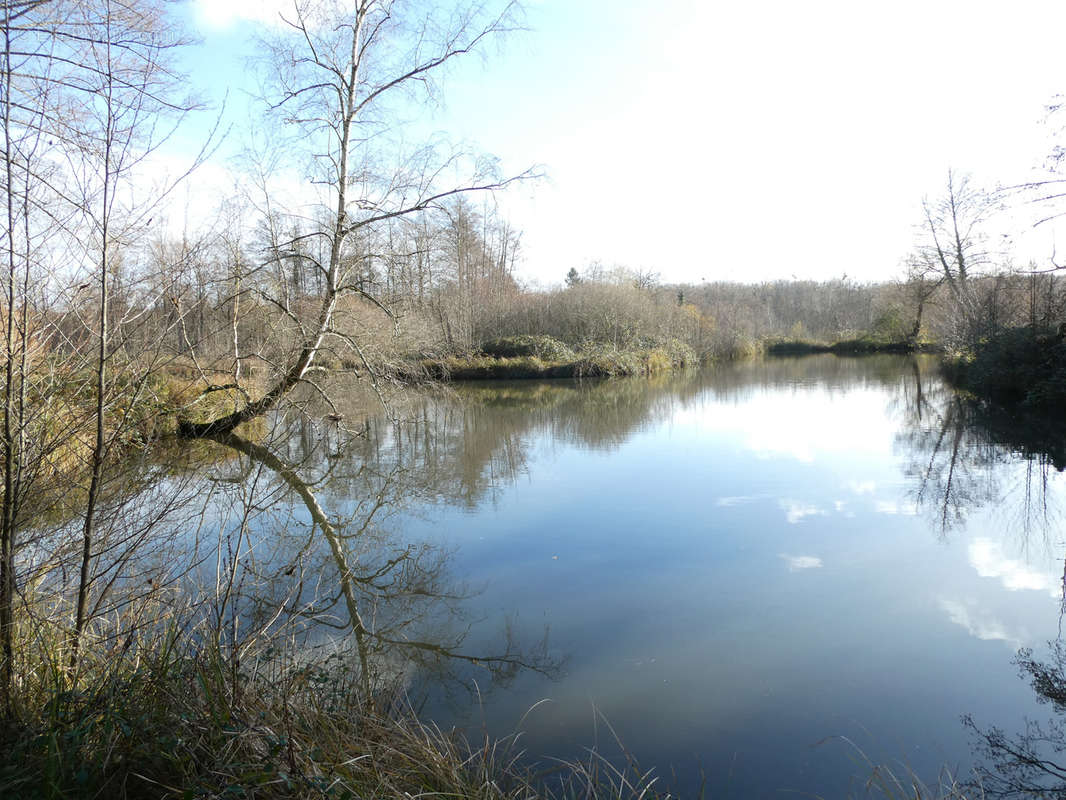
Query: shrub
[657, 361]
[680, 354]
[604, 360]
[543, 347]
[1017, 366]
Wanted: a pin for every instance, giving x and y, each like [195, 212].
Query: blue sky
[730, 140]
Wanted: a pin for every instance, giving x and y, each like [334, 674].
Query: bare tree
[920, 287]
[88, 93]
[22, 129]
[339, 71]
[954, 247]
[126, 86]
[34, 77]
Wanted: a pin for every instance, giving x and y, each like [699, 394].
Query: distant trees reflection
[467, 445]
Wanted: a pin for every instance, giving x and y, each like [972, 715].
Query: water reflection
[470, 444]
[963, 455]
[736, 561]
[694, 554]
[308, 547]
[1029, 762]
[145, 507]
[958, 463]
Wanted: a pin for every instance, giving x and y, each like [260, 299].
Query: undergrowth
[163, 717]
[1017, 367]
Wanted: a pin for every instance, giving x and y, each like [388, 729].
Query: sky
[727, 140]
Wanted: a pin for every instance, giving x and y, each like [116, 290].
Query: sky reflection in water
[741, 564]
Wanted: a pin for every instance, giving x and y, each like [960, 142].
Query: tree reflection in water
[305, 556]
[960, 454]
[1031, 763]
[335, 569]
[295, 546]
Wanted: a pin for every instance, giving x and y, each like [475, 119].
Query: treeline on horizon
[452, 283]
[238, 299]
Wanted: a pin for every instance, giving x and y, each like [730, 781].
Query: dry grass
[169, 714]
[593, 360]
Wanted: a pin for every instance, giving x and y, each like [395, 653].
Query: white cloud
[796, 511]
[979, 623]
[194, 204]
[796, 563]
[988, 558]
[222, 14]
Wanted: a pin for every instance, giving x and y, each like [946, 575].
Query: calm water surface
[750, 572]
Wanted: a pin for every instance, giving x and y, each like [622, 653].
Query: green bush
[794, 347]
[556, 360]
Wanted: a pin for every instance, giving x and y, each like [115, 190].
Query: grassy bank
[162, 718]
[532, 357]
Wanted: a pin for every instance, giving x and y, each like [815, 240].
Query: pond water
[754, 577]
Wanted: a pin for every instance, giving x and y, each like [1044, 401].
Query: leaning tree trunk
[224, 425]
